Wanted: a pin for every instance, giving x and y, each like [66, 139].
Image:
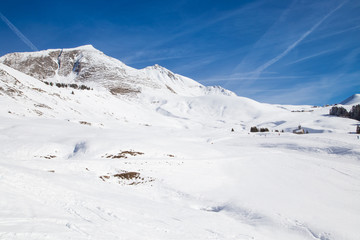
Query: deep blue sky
[275, 51]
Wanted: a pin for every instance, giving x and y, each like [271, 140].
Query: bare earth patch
[123, 90]
[128, 175]
[85, 123]
[47, 156]
[123, 154]
[127, 178]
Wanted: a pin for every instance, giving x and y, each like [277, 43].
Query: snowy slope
[64, 153]
[353, 100]
[25, 96]
[197, 184]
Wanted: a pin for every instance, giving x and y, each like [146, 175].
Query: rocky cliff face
[40, 67]
[86, 64]
[83, 64]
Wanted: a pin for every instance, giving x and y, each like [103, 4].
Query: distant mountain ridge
[86, 64]
[353, 100]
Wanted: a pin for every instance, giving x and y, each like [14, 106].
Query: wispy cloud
[189, 66]
[319, 91]
[311, 56]
[264, 66]
[355, 28]
[236, 77]
[18, 33]
[151, 56]
[192, 26]
[196, 25]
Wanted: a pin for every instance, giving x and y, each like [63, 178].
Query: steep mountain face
[88, 65]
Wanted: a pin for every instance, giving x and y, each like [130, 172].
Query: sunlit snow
[162, 164]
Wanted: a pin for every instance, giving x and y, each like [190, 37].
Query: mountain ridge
[83, 84]
[86, 64]
[352, 100]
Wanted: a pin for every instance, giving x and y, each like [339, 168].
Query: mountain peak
[87, 47]
[86, 64]
[158, 67]
[354, 99]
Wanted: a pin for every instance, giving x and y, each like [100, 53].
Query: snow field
[215, 185]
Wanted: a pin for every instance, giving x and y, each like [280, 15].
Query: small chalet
[299, 130]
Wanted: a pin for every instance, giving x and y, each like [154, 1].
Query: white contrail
[312, 56]
[18, 33]
[284, 53]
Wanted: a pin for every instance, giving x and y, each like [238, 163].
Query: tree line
[71, 85]
[354, 113]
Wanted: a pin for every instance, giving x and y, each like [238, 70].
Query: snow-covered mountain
[39, 84]
[88, 65]
[94, 149]
[353, 100]
[33, 83]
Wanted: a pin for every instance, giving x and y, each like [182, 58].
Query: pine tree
[254, 129]
[339, 111]
[355, 112]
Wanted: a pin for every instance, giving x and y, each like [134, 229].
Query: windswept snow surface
[92, 165]
[205, 183]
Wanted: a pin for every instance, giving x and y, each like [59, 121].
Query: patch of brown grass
[41, 105]
[104, 177]
[123, 154]
[85, 123]
[38, 89]
[128, 175]
[128, 178]
[38, 112]
[48, 156]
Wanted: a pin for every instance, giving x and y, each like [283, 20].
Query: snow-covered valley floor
[63, 180]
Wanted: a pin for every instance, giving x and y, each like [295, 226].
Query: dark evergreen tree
[339, 111]
[355, 112]
[254, 129]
